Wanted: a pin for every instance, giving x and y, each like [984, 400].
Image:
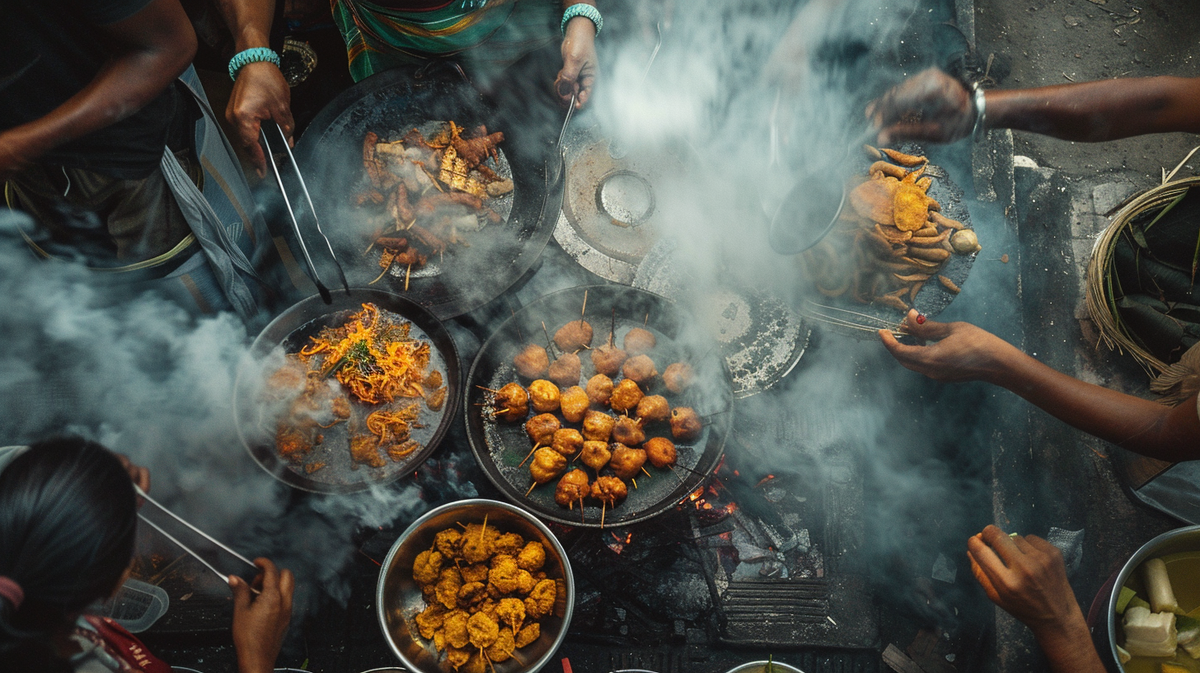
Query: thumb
[241, 593]
[928, 330]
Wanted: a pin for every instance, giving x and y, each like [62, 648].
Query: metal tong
[196, 530]
[559, 166]
[325, 295]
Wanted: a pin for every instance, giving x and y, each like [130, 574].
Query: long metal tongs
[559, 164]
[194, 529]
[325, 295]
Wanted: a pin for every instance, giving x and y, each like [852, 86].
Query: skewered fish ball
[653, 408]
[565, 371]
[541, 428]
[567, 441]
[595, 455]
[532, 362]
[512, 403]
[607, 359]
[482, 630]
[627, 462]
[685, 424]
[574, 404]
[543, 396]
[660, 451]
[573, 487]
[628, 431]
[678, 377]
[625, 396]
[639, 341]
[573, 336]
[599, 389]
[609, 490]
[640, 369]
[597, 426]
[547, 464]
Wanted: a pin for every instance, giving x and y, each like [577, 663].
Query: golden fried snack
[678, 377]
[608, 490]
[528, 634]
[511, 611]
[446, 591]
[567, 441]
[475, 573]
[532, 362]
[660, 451]
[427, 567]
[547, 464]
[455, 627]
[478, 543]
[597, 426]
[512, 403]
[448, 542]
[574, 404]
[525, 582]
[607, 359]
[910, 207]
[543, 395]
[628, 431]
[627, 462]
[541, 428]
[430, 619]
[572, 488]
[457, 657]
[482, 630]
[503, 573]
[653, 408]
[540, 601]
[599, 390]
[595, 454]
[532, 557]
[471, 593]
[573, 336]
[502, 649]
[640, 369]
[626, 396]
[477, 664]
[365, 449]
[639, 341]
[685, 424]
[507, 543]
[566, 370]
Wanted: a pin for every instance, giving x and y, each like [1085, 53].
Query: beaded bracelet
[254, 55]
[585, 10]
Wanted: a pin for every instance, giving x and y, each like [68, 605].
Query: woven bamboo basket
[1101, 303]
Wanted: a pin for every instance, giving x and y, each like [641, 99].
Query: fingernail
[920, 318]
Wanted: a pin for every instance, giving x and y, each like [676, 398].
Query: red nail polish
[920, 318]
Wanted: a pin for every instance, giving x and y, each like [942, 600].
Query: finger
[257, 159]
[909, 356]
[142, 479]
[241, 593]
[283, 117]
[1022, 544]
[922, 328]
[983, 579]
[287, 585]
[989, 563]
[269, 576]
[1002, 544]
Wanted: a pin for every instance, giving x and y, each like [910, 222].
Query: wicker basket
[1101, 304]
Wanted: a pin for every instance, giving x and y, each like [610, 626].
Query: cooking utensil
[194, 529]
[558, 163]
[500, 447]
[398, 599]
[291, 330]
[391, 104]
[190, 551]
[762, 667]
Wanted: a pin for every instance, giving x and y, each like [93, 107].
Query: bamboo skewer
[531, 487]
[535, 448]
[583, 311]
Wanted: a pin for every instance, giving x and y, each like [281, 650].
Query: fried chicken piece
[628, 431]
[639, 341]
[477, 664]
[475, 573]
[471, 593]
[653, 408]
[502, 649]
[436, 399]
[541, 428]
[566, 370]
[447, 588]
[478, 543]
[475, 151]
[544, 396]
[291, 443]
[574, 404]
[430, 620]
[528, 634]
[341, 407]
[503, 574]
[512, 403]
[546, 465]
[640, 369]
[525, 582]
[448, 542]
[660, 451]
[511, 611]
[455, 627]
[607, 359]
[572, 488]
[595, 455]
[597, 426]
[540, 601]
[458, 657]
[625, 396]
[482, 630]
[678, 377]
[509, 543]
[532, 557]
[532, 362]
[365, 449]
[599, 389]
[609, 490]
[573, 336]
[567, 441]
[627, 462]
[427, 566]
[685, 424]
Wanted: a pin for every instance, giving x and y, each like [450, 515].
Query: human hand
[16, 153]
[259, 94]
[139, 475]
[580, 65]
[1025, 576]
[930, 105]
[260, 622]
[959, 351]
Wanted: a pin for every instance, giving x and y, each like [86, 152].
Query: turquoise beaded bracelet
[255, 55]
[585, 10]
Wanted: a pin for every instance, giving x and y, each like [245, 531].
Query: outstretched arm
[580, 66]
[963, 352]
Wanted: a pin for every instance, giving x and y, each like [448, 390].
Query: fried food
[547, 464]
[448, 542]
[544, 396]
[427, 566]
[446, 591]
[599, 389]
[540, 601]
[660, 451]
[627, 462]
[532, 362]
[507, 543]
[511, 611]
[607, 359]
[478, 543]
[503, 574]
[532, 557]
[528, 635]
[685, 424]
[573, 487]
[608, 490]
[541, 428]
[502, 649]
[640, 369]
[595, 455]
[365, 449]
[678, 377]
[566, 370]
[639, 341]
[482, 630]
[873, 199]
[653, 408]
[567, 441]
[626, 396]
[910, 207]
[574, 404]
[597, 426]
[628, 431]
[477, 572]
[292, 443]
[455, 627]
[512, 403]
[573, 336]
[431, 618]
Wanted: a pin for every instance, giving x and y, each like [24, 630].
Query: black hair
[68, 522]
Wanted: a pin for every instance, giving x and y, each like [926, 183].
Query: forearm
[249, 21]
[1068, 646]
[1101, 110]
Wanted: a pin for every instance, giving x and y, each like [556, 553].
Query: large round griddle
[500, 447]
[288, 333]
[390, 104]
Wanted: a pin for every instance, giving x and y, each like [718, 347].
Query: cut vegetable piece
[1137, 602]
[1169, 667]
[1158, 586]
[1149, 634]
[1188, 635]
[1123, 655]
[1123, 599]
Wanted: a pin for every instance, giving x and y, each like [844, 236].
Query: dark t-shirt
[49, 51]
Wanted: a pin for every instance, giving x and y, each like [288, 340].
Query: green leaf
[1166, 210]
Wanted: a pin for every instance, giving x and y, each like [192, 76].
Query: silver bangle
[980, 113]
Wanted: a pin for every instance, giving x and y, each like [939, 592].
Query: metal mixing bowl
[398, 599]
[760, 666]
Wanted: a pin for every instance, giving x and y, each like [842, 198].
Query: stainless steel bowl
[1170, 542]
[760, 666]
[398, 599]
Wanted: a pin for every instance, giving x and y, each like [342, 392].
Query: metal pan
[500, 447]
[390, 104]
[291, 330]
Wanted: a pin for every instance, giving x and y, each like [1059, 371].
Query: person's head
[68, 520]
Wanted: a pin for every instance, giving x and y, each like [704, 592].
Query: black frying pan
[390, 104]
[291, 330]
[499, 447]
